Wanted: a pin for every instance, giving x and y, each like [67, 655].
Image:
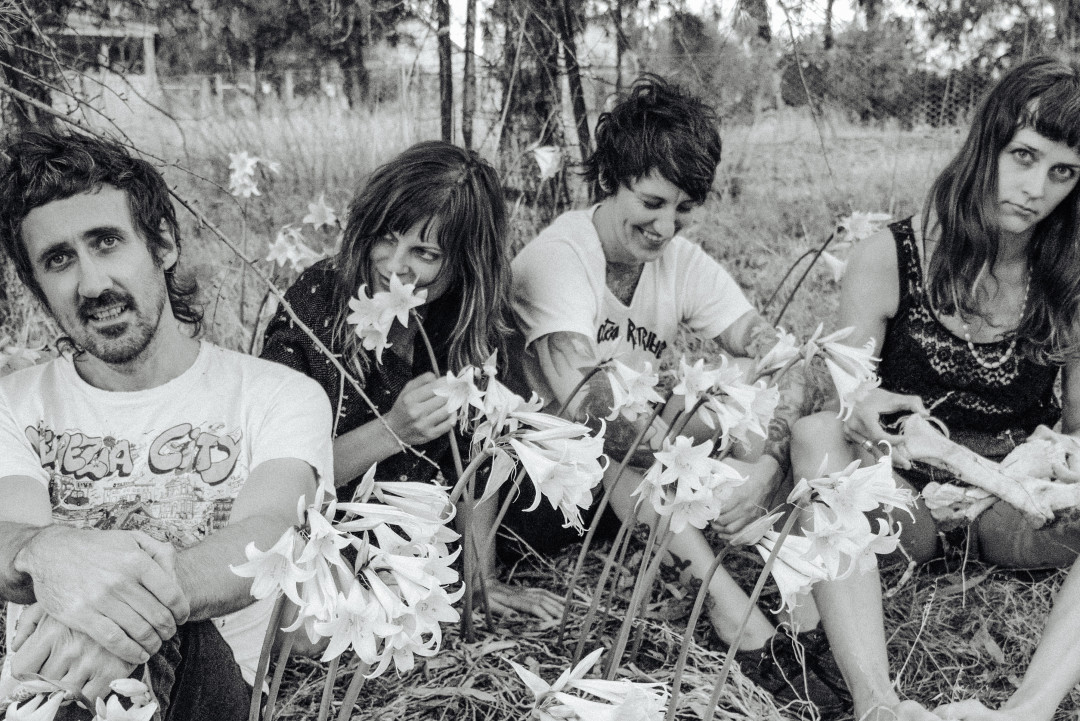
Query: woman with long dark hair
[974, 312]
[434, 217]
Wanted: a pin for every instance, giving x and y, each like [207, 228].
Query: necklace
[995, 364]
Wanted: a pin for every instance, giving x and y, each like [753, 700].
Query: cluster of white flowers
[562, 459]
[289, 248]
[839, 539]
[687, 484]
[387, 605]
[47, 698]
[852, 368]
[619, 700]
[633, 391]
[850, 230]
[242, 173]
[372, 316]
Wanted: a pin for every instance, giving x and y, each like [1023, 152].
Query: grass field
[956, 628]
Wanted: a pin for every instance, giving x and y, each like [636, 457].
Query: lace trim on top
[920, 356]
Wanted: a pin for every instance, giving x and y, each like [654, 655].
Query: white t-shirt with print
[168, 461]
[560, 285]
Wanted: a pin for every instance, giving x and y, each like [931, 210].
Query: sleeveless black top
[922, 357]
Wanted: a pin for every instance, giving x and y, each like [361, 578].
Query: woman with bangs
[974, 311]
[434, 217]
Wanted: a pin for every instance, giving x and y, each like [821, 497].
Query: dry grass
[955, 630]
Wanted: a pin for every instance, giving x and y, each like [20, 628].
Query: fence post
[205, 100]
[289, 87]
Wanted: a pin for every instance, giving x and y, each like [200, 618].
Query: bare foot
[897, 711]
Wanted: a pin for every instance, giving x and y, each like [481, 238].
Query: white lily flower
[134, 689]
[320, 214]
[460, 391]
[793, 570]
[402, 298]
[370, 320]
[289, 249]
[695, 381]
[860, 226]
[833, 542]
[849, 389]
[785, 349]
[36, 708]
[836, 266]
[359, 621]
[275, 570]
[633, 391]
[548, 160]
[113, 710]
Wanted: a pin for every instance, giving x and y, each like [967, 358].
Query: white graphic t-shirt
[168, 461]
[560, 285]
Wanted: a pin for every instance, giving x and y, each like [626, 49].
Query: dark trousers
[195, 678]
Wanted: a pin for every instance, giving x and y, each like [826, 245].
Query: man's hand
[748, 502]
[46, 647]
[117, 587]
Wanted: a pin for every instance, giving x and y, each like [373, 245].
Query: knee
[813, 436]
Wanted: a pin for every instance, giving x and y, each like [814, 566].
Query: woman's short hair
[44, 164]
[660, 127]
[456, 198]
[1043, 94]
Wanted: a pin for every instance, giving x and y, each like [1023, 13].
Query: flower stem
[721, 678]
[601, 585]
[790, 270]
[650, 564]
[806, 272]
[581, 384]
[353, 692]
[688, 635]
[604, 500]
[279, 673]
[328, 689]
[466, 508]
[264, 657]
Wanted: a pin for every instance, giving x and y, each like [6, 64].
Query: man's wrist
[24, 561]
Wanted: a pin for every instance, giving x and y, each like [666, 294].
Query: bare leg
[851, 609]
[728, 600]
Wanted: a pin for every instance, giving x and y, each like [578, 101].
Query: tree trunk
[468, 90]
[446, 77]
[620, 44]
[828, 43]
[573, 77]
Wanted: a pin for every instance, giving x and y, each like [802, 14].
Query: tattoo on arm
[619, 433]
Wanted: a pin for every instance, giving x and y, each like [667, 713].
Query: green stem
[581, 384]
[650, 564]
[328, 689]
[279, 673]
[599, 513]
[688, 634]
[352, 693]
[721, 678]
[790, 270]
[601, 585]
[780, 315]
[470, 471]
[264, 657]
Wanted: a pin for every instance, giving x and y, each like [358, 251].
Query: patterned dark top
[920, 356]
[312, 299]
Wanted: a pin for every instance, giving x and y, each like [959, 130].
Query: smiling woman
[619, 280]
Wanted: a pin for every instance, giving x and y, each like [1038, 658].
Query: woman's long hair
[456, 197]
[1042, 94]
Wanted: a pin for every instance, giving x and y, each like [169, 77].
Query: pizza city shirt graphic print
[178, 486]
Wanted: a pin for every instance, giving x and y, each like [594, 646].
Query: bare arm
[264, 509]
[564, 358]
[111, 585]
